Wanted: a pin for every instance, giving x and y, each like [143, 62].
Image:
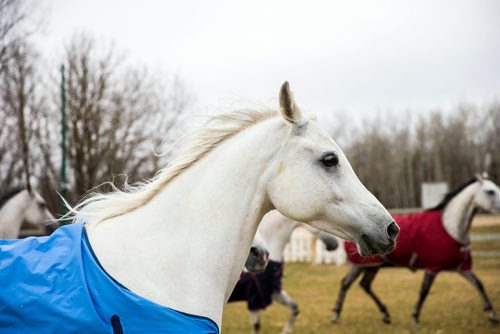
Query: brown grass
[453, 305]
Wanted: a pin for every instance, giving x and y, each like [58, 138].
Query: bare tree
[492, 140]
[394, 156]
[10, 167]
[116, 115]
[13, 28]
[19, 103]
[16, 91]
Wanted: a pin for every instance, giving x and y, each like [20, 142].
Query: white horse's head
[488, 195]
[36, 211]
[315, 183]
[22, 205]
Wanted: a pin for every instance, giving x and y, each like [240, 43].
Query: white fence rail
[305, 247]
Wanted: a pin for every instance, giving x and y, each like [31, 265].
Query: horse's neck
[458, 214]
[12, 215]
[276, 231]
[186, 248]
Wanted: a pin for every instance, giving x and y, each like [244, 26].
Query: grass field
[453, 305]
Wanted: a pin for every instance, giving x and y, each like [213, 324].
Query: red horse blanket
[423, 243]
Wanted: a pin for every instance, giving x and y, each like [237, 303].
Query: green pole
[64, 182]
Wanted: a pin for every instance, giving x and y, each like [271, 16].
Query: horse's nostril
[392, 231]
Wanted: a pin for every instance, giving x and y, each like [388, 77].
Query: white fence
[305, 247]
[433, 193]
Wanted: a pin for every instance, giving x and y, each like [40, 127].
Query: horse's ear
[481, 177]
[288, 108]
[28, 186]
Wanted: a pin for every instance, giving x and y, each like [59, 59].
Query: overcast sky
[357, 57]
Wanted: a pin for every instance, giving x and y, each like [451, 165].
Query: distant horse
[258, 257]
[436, 239]
[260, 290]
[165, 255]
[19, 205]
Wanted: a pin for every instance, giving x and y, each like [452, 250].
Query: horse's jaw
[12, 215]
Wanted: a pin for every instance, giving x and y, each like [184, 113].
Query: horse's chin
[52, 224]
[369, 247]
[257, 269]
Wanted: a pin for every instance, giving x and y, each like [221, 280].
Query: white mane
[98, 207]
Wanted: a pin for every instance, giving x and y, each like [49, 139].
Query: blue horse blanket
[55, 284]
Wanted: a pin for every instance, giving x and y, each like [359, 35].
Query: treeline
[394, 155]
[117, 113]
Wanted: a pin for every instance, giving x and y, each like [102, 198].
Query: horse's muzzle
[257, 260]
[381, 245]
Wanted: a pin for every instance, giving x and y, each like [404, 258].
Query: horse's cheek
[294, 203]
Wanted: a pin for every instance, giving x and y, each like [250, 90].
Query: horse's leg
[255, 321]
[284, 298]
[474, 280]
[424, 291]
[366, 284]
[344, 286]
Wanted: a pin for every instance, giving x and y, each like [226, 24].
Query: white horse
[436, 239]
[181, 239]
[260, 290]
[19, 205]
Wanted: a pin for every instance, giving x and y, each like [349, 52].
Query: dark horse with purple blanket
[434, 240]
[260, 290]
[257, 289]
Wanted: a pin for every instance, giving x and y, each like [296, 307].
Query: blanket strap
[116, 324]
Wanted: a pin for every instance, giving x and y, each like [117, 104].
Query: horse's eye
[490, 192]
[329, 159]
[41, 205]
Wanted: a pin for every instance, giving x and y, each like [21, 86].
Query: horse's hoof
[336, 319]
[387, 320]
[492, 316]
[416, 322]
[494, 321]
